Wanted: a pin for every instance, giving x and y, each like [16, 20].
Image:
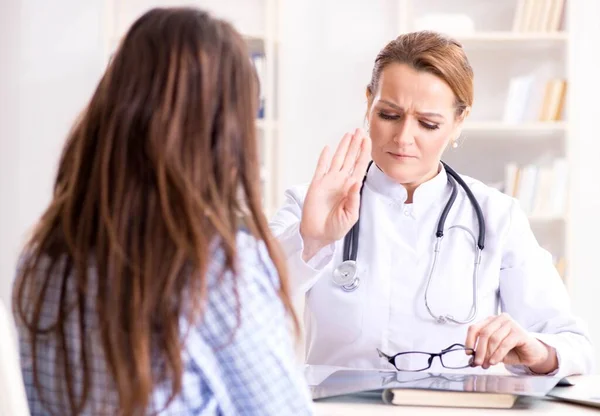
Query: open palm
[332, 203]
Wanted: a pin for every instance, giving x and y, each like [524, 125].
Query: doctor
[402, 262]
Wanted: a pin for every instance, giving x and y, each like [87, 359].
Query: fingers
[353, 151]
[507, 345]
[352, 203]
[359, 146]
[364, 157]
[340, 153]
[474, 331]
[483, 339]
[495, 341]
[482, 333]
[322, 164]
[353, 154]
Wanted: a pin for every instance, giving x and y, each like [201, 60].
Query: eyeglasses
[454, 357]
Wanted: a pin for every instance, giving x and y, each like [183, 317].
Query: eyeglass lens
[417, 361]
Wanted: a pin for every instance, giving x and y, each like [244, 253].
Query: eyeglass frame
[392, 358]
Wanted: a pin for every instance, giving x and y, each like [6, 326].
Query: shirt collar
[424, 195]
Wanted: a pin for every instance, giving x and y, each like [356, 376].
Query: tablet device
[330, 382]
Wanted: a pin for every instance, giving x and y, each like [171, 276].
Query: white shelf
[513, 37]
[501, 127]
[498, 55]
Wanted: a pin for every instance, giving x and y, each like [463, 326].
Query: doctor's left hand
[501, 339]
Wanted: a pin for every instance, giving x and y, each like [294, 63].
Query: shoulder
[254, 259]
[237, 300]
[41, 280]
[252, 285]
[502, 213]
[490, 199]
[252, 262]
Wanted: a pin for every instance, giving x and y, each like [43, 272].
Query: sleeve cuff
[303, 275]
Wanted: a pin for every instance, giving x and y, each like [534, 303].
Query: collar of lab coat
[426, 194]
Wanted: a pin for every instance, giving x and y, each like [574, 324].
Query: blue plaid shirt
[255, 374]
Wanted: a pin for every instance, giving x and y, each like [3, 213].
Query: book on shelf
[542, 193]
[540, 190]
[539, 16]
[561, 266]
[520, 90]
[525, 93]
[258, 59]
[264, 183]
[554, 100]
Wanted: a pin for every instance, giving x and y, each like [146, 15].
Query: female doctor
[394, 256]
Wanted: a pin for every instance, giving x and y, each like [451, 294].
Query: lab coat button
[406, 212]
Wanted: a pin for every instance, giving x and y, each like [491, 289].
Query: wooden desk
[365, 405]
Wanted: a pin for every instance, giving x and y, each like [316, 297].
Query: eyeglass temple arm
[452, 346]
[384, 355]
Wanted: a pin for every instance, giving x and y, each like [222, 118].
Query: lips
[401, 156]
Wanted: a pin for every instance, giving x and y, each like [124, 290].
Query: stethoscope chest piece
[346, 275]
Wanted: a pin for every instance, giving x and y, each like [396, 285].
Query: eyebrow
[426, 114]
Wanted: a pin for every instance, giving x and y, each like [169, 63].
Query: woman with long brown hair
[151, 283]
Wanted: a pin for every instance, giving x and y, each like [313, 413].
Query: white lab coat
[395, 252]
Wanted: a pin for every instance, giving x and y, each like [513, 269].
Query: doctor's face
[412, 119]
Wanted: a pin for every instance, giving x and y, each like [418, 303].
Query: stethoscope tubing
[350, 247]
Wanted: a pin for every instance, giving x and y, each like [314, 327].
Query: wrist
[548, 362]
[311, 246]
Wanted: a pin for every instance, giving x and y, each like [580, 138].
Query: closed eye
[395, 117]
[429, 126]
[386, 116]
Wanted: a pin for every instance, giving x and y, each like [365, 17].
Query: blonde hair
[434, 53]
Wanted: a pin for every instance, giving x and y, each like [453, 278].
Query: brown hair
[430, 52]
[160, 165]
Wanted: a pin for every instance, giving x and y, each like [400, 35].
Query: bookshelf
[533, 129]
[512, 37]
[517, 128]
[257, 21]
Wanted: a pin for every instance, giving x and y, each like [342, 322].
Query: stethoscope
[346, 274]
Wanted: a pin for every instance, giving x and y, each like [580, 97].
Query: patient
[151, 284]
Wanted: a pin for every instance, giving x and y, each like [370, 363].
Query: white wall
[9, 135]
[51, 58]
[585, 177]
[327, 53]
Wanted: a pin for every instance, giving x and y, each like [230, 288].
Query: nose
[404, 134]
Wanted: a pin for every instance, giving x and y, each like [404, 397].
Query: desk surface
[358, 405]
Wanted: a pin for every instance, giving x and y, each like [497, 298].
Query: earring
[454, 144]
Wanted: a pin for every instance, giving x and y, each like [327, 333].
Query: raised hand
[332, 203]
